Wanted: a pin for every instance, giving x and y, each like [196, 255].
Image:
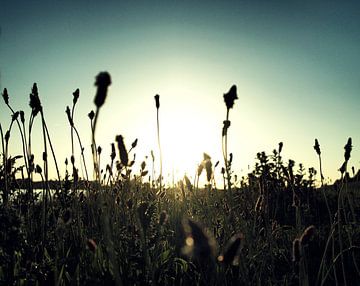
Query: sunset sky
[296, 65]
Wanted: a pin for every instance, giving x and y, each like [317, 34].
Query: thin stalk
[158, 138]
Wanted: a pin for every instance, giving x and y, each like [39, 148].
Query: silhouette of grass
[277, 228]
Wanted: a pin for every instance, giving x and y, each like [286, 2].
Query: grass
[277, 228]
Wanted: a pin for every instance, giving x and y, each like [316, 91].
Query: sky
[295, 63]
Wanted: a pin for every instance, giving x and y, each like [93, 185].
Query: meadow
[118, 225]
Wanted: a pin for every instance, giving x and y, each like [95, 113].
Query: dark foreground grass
[276, 228]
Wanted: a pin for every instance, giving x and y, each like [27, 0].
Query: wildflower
[197, 242]
[5, 96]
[232, 250]
[102, 82]
[76, 95]
[317, 147]
[122, 150]
[348, 148]
[99, 149]
[307, 234]
[35, 103]
[230, 97]
[157, 101]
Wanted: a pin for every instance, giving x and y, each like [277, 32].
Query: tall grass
[278, 228]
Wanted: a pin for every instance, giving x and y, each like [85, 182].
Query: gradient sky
[296, 65]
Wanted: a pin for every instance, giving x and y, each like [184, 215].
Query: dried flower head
[348, 148]
[35, 103]
[157, 101]
[5, 96]
[281, 144]
[230, 97]
[113, 154]
[76, 95]
[122, 150]
[317, 147]
[103, 80]
[231, 253]
[133, 145]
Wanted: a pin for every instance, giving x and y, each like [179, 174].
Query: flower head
[317, 147]
[35, 103]
[103, 80]
[157, 101]
[76, 95]
[230, 97]
[5, 96]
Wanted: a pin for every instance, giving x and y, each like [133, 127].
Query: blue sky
[296, 65]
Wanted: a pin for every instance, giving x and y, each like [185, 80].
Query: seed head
[103, 80]
[35, 103]
[230, 97]
[122, 150]
[348, 148]
[281, 144]
[317, 147]
[157, 101]
[5, 96]
[113, 154]
[76, 95]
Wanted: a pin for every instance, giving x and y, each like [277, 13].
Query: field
[279, 227]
